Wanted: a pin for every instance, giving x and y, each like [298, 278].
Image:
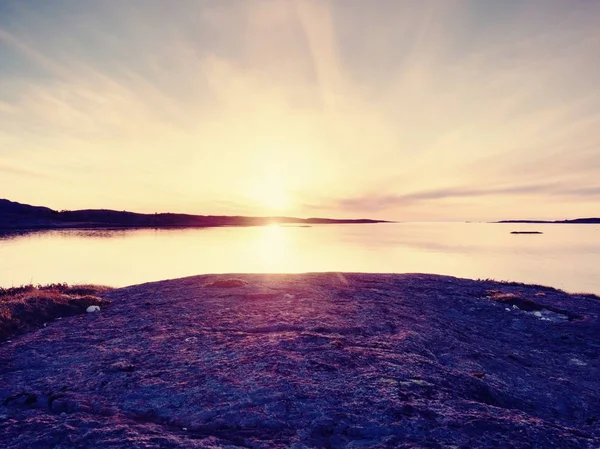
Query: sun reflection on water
[121, 258]
[272, 248]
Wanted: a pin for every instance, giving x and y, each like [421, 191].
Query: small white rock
[515, 307]
[507, 309]
[538, 314]
[288, 296]
[184, 428]
[92, 309]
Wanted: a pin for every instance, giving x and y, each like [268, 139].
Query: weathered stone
[352, 360]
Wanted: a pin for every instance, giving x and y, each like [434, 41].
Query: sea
[565, 256]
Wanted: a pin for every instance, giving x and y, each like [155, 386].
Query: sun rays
[302, 106]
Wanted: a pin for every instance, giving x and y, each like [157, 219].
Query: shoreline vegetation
[17, 216]
[310, 360]
[28, 307]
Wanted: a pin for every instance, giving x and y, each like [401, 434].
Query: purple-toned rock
[312, 360]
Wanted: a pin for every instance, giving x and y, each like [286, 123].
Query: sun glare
[272, 249]
[270, 194]
[275, 201]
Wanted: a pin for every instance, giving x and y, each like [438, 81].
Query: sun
[270, 194]
[273, 199]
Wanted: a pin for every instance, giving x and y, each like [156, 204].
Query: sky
[393, 109]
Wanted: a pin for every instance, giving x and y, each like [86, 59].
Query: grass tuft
[30, 306]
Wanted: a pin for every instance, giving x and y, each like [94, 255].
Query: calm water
[565, 256]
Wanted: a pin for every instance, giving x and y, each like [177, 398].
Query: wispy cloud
[440, 105]
[378, 202]
[19, 172]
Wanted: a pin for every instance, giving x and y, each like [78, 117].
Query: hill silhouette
[15, 215]
[574, 221]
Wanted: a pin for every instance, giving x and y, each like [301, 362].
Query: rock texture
[316, 360]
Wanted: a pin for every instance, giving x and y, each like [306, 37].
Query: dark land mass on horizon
[15, 215]
[574, 221]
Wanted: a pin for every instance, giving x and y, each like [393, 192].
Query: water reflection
[272, 248]
[92, 233]
[8, 235]
[565, 256]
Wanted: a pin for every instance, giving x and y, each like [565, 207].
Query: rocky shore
[311, 360]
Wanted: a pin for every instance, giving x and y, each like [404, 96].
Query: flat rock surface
[311, 360]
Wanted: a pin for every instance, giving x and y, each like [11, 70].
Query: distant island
[574, 221]
[15, 215]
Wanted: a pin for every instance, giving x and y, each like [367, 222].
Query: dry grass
[28, 307]
[496, 295]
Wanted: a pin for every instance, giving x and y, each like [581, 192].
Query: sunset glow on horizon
[399, 110]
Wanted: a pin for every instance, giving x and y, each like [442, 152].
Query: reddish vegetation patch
[529, 305]
[29, 307]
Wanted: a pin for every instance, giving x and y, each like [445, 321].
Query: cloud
[383, 202]
[15, 171]
[30, 53]
[337, 99]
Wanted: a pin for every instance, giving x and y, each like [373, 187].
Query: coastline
[312, 360]
[90, 226]
[19, 217]
[108, 227]
[573, 221]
